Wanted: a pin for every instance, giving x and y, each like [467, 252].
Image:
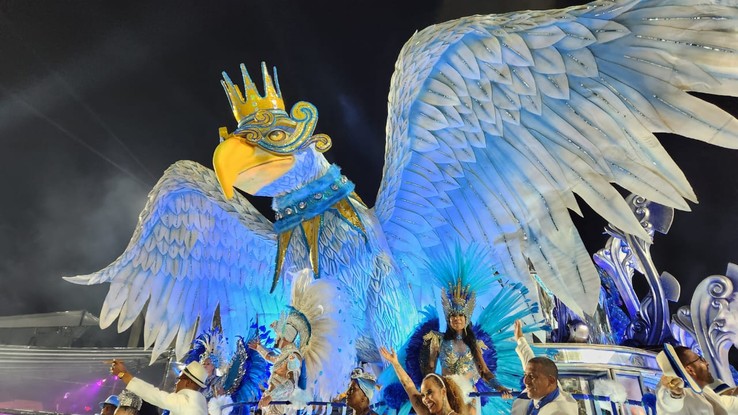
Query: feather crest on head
[462, 274]
[212, 345]
[315, 319]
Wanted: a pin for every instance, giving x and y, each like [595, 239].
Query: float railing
[323, 407]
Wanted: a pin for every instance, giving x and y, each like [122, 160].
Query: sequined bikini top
[456, 359]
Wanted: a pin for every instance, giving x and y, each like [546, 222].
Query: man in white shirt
[186, 398]
[543, 394]
[723, 389]
[672, 397]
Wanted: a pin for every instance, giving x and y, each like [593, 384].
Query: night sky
[97, 99]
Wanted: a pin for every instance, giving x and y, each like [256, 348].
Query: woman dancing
[438, 395]
[461, 275]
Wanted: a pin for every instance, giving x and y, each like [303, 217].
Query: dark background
[98, 98]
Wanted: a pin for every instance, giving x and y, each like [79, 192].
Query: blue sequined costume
[455, 356]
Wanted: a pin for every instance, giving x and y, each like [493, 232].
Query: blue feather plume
[394, 395]
[414, 346]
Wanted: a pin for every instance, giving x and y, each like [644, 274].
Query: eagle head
[271, 152]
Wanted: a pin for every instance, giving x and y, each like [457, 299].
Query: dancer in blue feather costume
[480, 355]
[235, 377]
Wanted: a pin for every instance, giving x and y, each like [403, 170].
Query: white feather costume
[320, 336]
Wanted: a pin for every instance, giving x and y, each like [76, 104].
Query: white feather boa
[610, 388]
[299, 399]
[216, 403]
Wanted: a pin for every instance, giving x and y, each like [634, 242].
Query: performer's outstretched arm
[523, 350]
[416, 398]
[267, 354]
[429, 357]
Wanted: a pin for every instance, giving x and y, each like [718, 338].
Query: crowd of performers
[288, 362]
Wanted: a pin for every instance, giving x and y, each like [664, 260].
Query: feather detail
[327, 354]
[247, 373]
[180, 261]
[552, 103]
[216, 403]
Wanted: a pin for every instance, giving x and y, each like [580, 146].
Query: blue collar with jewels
[311, 200]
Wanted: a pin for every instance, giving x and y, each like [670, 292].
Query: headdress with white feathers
[315, 320]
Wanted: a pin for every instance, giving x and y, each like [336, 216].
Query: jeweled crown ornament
[458, 299]
[246, 105]
[263, 121]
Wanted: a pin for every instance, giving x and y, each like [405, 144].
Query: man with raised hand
[186, 398]
[543, 394]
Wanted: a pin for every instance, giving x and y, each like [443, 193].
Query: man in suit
[543, 394]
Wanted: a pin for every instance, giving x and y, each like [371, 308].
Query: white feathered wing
[192, 250]
[495, 122]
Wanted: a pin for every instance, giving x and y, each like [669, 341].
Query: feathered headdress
[324, 334]
[210, 345]
[462, 275]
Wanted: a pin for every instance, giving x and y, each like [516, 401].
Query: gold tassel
[283, 242]
[347, 211]
[311, 227]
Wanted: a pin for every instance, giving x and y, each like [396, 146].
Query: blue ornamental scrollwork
[623, 255]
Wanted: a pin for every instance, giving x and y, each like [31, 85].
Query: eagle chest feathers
[343, 253]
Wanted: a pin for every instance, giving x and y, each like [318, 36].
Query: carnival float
[495, 123]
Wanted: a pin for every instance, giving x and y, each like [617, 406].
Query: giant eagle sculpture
[495, 123]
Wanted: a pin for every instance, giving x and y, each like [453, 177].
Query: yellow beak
[247, 167]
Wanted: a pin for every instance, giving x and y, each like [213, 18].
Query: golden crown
[245, 105]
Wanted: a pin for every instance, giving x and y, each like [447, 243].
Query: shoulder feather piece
[326, 346]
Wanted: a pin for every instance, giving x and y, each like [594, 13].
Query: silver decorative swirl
[720, 288]
[623, 254]
[714, 317]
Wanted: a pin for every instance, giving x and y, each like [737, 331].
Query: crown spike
[247, 104]
[235, 98]
[269, 90]
[249, 89]
[276, 81]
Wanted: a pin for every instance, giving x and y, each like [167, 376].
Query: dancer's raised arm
[416, 398]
